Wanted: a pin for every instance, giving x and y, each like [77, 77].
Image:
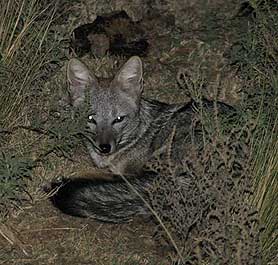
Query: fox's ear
[79, 78]
[129, 78]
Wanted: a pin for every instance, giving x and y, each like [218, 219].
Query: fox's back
[164, 125]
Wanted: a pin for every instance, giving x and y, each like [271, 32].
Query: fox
[125, 131]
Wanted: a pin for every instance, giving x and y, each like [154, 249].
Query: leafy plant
[13, 173]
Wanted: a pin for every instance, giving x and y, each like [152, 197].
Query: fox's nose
[105, 148]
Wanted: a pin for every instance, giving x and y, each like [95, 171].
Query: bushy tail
[104, 200]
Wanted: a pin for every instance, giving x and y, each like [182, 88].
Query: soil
[42, 235]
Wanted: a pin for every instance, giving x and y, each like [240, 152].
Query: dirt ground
[44, 236]
[40, 234]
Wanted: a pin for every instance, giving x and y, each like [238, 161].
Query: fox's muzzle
[105, 142]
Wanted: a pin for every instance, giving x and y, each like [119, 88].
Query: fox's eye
[118, 119]
[91, 119]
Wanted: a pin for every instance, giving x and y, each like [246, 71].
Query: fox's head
[113, 113]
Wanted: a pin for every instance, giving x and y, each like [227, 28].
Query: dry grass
[265, 172]
[24, 53]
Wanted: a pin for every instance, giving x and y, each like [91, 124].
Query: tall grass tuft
[26, 49]
[265, 198]
[257, 55]
[24, 52]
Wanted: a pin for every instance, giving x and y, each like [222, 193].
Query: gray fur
[124, 146]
